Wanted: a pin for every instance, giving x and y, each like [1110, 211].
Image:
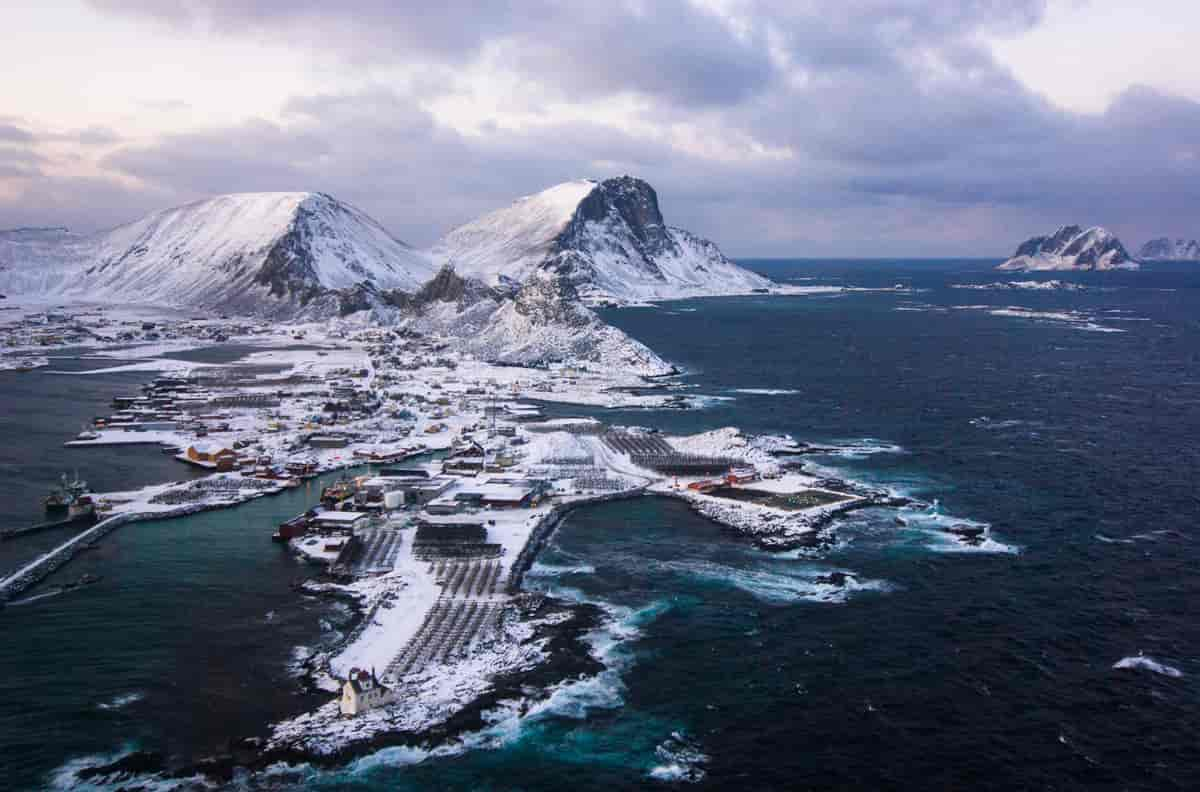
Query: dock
[41, 567]
[11, 533]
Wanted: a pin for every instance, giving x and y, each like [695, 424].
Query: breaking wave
[1143, 663]
[767, 391]
[864, 447]
[541, 569]
[120, 702]
[779, 587]
[681, 760]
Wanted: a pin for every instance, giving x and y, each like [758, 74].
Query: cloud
[11, 133]
[860, 127]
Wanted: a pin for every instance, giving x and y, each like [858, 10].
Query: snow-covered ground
[412, 393]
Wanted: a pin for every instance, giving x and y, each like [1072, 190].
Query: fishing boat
[71, 500]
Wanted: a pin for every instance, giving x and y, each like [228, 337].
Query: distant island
[1072, 248]
[1166, 249]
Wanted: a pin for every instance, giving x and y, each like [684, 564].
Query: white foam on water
[681, 760]
[120, 702]
[767, 391]
[703, 401]
[395, 756]
[540, 569]
[65, 776]
[1143, 663]
[800, 585]
[863, 447]
[575, 698]
[935, 525]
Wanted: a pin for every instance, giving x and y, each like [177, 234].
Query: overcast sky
[774, 127]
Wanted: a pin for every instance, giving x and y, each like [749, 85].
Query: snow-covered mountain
[541, 323]
[517, 297]
[1072, 248]
[606, 239]
[259, 253]
[37, 260]
[1164, 249]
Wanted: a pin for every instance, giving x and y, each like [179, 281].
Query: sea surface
[1062, 654]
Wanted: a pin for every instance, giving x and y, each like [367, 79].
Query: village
[452, 479]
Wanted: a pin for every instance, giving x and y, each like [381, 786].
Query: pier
[41, 567]
[11, 533]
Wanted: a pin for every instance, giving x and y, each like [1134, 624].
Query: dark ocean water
[733, 667]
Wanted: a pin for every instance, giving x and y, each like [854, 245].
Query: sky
[773, 127]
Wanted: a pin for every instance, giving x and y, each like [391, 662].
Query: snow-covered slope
[1164, 249]
[38, 260]
[1072, 248]
[261, 253]
[542, 323]
[607, 239]
[251, 251]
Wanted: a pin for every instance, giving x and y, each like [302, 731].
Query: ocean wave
[986, 422]
[767, 391]
[120, 702]
[1144, 663]
[542, 569]
[395, 756]
[575, 699]
[937, 527]
[780, 587]
[951, 544]
[681, 760]
[864, 447]
[66, 775]
[702, 401]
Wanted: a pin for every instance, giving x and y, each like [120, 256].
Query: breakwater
[41, 567]
[545, 528]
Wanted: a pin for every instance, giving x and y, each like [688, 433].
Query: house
[496, 495]
[328, 441]
[212, 456]
[362, 692]
[742, 475]
[343, 521]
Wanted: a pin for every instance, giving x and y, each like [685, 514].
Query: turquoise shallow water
[730, 666]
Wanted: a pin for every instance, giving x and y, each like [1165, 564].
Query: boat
[71, 500]
[84, 580]
[340, 490]
[87, 434]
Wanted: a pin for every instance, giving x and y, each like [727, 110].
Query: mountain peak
[608, 239]
[1071, 247]
[265, 253]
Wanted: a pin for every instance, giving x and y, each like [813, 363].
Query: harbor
[420, 488]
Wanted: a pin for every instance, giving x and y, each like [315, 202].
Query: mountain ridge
[607, 238]
[1071, 247]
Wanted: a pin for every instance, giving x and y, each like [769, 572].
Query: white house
[362, 692]
[344, 521]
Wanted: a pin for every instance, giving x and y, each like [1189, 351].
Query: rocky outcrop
[1071, 248]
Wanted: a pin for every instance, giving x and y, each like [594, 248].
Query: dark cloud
[859, 127]
[669, 49]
